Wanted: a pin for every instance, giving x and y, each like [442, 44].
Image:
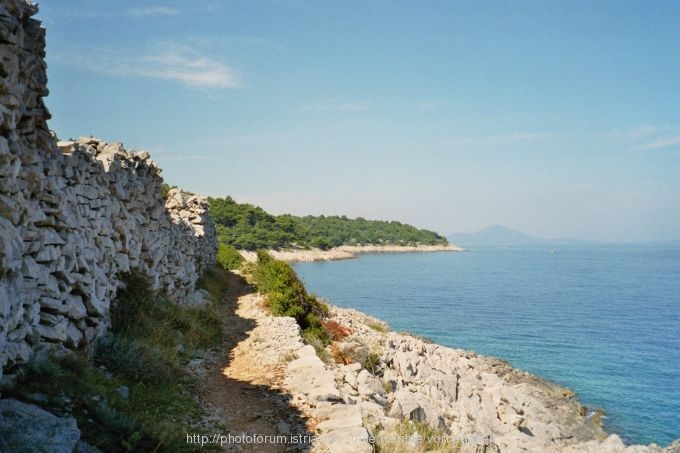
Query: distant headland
[248, 227]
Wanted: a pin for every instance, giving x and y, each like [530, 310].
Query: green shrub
[140, 312]
[355, 349]
[133, 301]
[287, 303]
[286, 293]
[165, 189]
[371, 362]
[216, 281]
[228, 257]
[136, 360]
[321, 243]
[378, 326]
[310, 337]
[287, 296]
[318, 308]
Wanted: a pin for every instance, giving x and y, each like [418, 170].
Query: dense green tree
[249, 227]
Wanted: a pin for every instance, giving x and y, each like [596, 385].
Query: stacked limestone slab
[74, 217]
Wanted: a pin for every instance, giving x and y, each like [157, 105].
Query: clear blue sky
[560, 119]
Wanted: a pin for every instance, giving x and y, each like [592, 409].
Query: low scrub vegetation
[412, 436]
[287, 296]
[426, 340]
[140, 313]
[335, 330]
[130, 392]
[165, 190]
[228, 257]
[379, 326]
[356, 350]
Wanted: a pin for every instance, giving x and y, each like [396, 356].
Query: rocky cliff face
[74, 216]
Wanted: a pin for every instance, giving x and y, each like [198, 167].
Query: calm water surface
[601, 320]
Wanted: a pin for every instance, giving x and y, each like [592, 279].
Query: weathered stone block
[26, 427]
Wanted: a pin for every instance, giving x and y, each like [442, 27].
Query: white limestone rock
[28, 428]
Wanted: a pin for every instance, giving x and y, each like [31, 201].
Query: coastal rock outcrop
[471, 402]
[74, 215]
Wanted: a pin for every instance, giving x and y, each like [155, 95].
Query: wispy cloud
[191, 157]
[136, 13]
[647, 138]
[152, 11]
[667, 142]
[351, 106]
[179, 63]
[634, 133]
[500, 140]
[430, 105]
[189, 68]
[642, 132]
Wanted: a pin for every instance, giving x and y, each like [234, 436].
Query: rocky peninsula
[347, 252]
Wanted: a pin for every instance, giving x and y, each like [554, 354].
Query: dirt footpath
[240, 385]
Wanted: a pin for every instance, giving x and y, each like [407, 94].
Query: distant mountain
[495, 235]
[502, 236]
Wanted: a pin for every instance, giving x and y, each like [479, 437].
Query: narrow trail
[240, 384]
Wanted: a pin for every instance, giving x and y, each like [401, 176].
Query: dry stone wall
[75, 215]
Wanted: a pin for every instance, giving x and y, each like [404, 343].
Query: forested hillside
[249, 227]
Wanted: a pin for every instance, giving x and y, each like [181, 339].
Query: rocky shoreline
[376, 386]
[347, 252]
[480, 400]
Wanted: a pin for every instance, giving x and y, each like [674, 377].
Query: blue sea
[603, 320]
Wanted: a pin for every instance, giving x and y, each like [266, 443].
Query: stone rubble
[315, 389]
[74, 215]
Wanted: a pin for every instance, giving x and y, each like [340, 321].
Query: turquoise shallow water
[601, 320]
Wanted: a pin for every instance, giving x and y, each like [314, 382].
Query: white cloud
[137, 13]
[500, 140]
[641, 132]
[152, 11]
[190, 157]
[634, 134]
[189, 68]
[351, 106]
[430, 105]
[662, 143]
[648, 138]
[168, 61]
